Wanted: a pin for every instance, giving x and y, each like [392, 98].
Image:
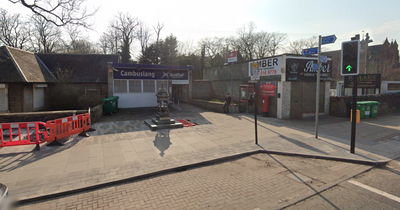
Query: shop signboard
[232, 57]
[268, 89]
[267, 66]
[364, 81]
[151, 74]
[301, 69]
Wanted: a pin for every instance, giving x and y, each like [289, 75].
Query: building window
[3, 98]
[149, 86]
[394, 86]
[38, 97]
[135, 86]
[90, 89]
[159, 85]
[120, 86]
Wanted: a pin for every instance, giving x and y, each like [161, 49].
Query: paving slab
[127, 148]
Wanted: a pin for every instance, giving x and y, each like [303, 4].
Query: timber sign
[364, 81]
[267, 66]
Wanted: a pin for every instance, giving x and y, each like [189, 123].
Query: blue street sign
[323, 59]
[328, 39]
[315, 66]
[310, 51]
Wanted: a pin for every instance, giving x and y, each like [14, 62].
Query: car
[4, 199]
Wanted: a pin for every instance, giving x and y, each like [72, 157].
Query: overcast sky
[193, 20]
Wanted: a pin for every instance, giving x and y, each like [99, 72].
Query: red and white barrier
[23, 133]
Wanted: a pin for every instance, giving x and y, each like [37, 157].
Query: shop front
[137, 84]
[287, 86]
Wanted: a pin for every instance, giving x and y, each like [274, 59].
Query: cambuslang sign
[301, 69]
[267, 67]
[151, 74]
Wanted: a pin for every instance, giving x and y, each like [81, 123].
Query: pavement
[123, 148]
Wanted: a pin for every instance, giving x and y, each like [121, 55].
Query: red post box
[265, 106]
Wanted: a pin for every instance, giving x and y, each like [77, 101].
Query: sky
[299, 19]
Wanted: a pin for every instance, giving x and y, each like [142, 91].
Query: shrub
[89, 100]
[64, 97]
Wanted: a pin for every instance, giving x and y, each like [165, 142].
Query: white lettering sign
[268, 66]
[138, 74]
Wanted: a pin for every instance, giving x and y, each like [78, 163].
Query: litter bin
[115, 98]
[108, 105]
[361, 107]
[367, 109]
[374, 109]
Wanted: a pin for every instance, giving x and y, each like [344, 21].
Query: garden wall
[214, 106]
[95, 114]
[340, 105]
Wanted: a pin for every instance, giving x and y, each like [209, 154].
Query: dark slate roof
[84, 68]
[28, 66]
[8, 71]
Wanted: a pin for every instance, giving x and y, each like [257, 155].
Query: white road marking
[380, 192]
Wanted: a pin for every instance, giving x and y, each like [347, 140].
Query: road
[378, 188]
[259, 181]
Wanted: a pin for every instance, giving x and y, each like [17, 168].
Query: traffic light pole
[318, 87]
[354, 115]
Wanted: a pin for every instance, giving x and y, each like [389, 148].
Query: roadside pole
[317, 50]
[255, 109]
[231, 80]
[354, 116]
[318, 87]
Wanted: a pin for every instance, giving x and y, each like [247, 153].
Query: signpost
[321, 40]
[232, 57]
[328, 39]
[310, 51]
[255, 76]
[324, 59]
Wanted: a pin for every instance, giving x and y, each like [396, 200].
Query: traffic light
[350, 58]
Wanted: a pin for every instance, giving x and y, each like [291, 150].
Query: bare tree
[277, 40]
[389, 68]
[160, 26]
[187, 47]
[143, 35]
[126, 27]
[79, 44]
[46, 38]
[262, 43]
[215, 50]
[297, 46]
[109, 42]
[246, 40]
[60, 12]
[13, 31]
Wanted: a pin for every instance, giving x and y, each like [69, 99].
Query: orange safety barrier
[64, 127]
[22, 133]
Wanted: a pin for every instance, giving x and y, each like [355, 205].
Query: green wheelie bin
[374, 109]
[115, 98]
[108, 105]
[367, 105]
[361, 107]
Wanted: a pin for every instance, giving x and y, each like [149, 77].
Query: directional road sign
[315, 66]
[328, 39]
[310, 51]
[323, 58]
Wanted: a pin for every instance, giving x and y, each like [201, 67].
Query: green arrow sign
[348, 68]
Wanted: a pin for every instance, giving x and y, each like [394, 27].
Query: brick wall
[340, 105]
[95, 113]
